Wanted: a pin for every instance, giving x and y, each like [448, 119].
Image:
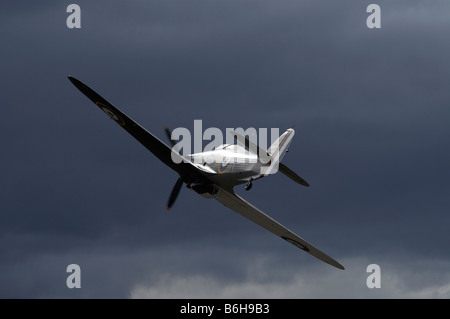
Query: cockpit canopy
[232, 148]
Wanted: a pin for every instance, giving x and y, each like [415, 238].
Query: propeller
[174, 193]
[176, 189]
[169, 136]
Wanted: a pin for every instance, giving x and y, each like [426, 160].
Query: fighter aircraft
[215, 173]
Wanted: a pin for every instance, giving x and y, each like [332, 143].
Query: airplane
[214, 174]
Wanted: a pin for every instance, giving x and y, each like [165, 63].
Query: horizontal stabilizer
[289, 173]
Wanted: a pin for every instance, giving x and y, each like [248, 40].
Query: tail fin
[277, 151]
[279, 148]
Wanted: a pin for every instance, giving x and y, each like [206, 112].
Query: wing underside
[238, 204]
[163, 152]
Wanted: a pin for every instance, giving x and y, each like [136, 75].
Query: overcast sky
[371, 109]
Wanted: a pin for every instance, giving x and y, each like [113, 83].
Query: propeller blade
[169, 135]
[174, 193]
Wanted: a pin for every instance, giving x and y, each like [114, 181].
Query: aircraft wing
[230, 199]
[163, 152]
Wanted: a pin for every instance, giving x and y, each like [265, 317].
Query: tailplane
[273, 156]
[292, 175]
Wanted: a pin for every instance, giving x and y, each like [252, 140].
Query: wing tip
[331, 262]
[339, 266]
[75, 81]
[305, 183]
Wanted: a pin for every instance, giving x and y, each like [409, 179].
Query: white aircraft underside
[213, 174]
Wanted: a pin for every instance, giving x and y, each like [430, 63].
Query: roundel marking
[111, 113]
[221, 168]
[295, 243]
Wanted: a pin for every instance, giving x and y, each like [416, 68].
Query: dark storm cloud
[371, 115]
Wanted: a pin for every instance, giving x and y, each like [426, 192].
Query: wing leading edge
[231, 200]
